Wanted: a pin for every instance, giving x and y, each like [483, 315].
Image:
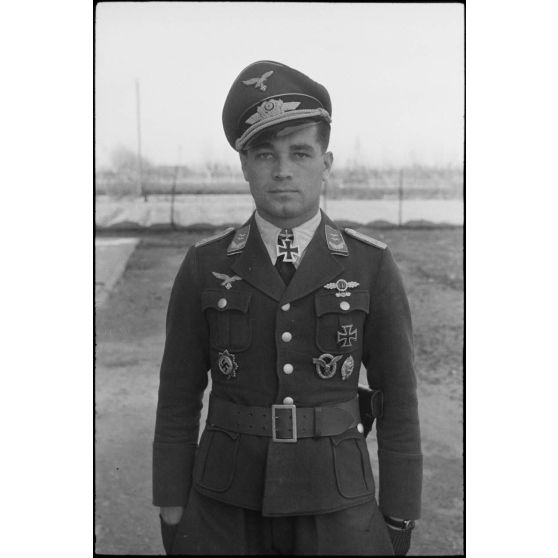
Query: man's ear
[243, 162]
[328, 163]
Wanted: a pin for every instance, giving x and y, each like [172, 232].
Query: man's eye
[301, 155]
[264, 155]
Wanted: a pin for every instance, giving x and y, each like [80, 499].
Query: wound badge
[227, 364]
[342, 287]
[347, 335]
[326, 369]
[348, 367]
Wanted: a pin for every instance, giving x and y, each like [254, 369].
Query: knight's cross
[286, 252]
[347, 335]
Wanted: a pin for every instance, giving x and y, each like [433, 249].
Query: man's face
[286, 175]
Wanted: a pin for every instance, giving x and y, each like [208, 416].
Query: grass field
[130, 337]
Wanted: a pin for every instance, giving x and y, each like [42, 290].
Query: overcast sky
[394, 73]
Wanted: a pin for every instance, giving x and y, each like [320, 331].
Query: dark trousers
[211, 527]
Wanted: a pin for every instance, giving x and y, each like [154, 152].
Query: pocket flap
[350, 434]
[329, 303]
[233, 300]
[229, 433]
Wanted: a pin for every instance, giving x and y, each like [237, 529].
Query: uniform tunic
[274, 334]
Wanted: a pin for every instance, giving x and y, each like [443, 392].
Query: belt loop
[317, 422]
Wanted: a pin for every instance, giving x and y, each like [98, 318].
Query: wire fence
[175, 197]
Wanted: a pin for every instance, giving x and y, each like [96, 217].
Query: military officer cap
[268, 93]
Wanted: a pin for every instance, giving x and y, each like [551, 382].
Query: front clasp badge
[342, 287]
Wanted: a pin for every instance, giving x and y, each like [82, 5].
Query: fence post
[138, 121]
[173, 190]
[400, 197]
[173, 194]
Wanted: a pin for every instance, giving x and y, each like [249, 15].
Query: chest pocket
[228, 318]
[339, 327]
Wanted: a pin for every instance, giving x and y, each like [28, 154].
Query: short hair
[323, 131]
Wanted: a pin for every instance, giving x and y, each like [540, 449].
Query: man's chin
[287, 211]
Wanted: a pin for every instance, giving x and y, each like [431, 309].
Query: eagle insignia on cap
[258, 82]
[271, 107]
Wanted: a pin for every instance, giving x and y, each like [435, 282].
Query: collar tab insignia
[227, 281]
[239, 241]
[326, 365]
[367, 239]
[258, 82]
[342, 287]
[335, 241]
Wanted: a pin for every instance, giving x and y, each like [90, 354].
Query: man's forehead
[295, 128]
[285, 132]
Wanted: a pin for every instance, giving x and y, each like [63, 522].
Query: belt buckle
[292, 408]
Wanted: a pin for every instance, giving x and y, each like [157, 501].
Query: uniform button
[360, 428]
[286, 336]
[286, 307]
[288, 368]
[344, 305]
[222, 302]
[288, 401]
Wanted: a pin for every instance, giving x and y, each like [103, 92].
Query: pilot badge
[326, 365]
[227, 364]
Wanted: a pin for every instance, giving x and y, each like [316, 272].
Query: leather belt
[284, 423]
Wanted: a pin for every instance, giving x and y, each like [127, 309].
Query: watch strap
[403, 525]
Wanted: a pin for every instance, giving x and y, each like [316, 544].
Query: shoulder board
[367, 239]
[215, 237]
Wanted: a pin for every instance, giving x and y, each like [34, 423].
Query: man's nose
[282, 169]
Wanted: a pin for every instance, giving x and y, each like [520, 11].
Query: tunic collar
[302, 235]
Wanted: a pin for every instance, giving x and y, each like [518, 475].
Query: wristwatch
[403, 525]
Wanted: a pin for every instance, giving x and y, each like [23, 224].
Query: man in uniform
[282, 312]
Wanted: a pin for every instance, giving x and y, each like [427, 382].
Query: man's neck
[287, 223]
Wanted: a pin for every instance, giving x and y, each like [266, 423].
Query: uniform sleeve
[183, 379]
[388, 357]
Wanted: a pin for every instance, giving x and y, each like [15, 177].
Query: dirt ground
[129, 344]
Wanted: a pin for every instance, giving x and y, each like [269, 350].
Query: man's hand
[400, 540]
[400, 535]
[171, 515]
